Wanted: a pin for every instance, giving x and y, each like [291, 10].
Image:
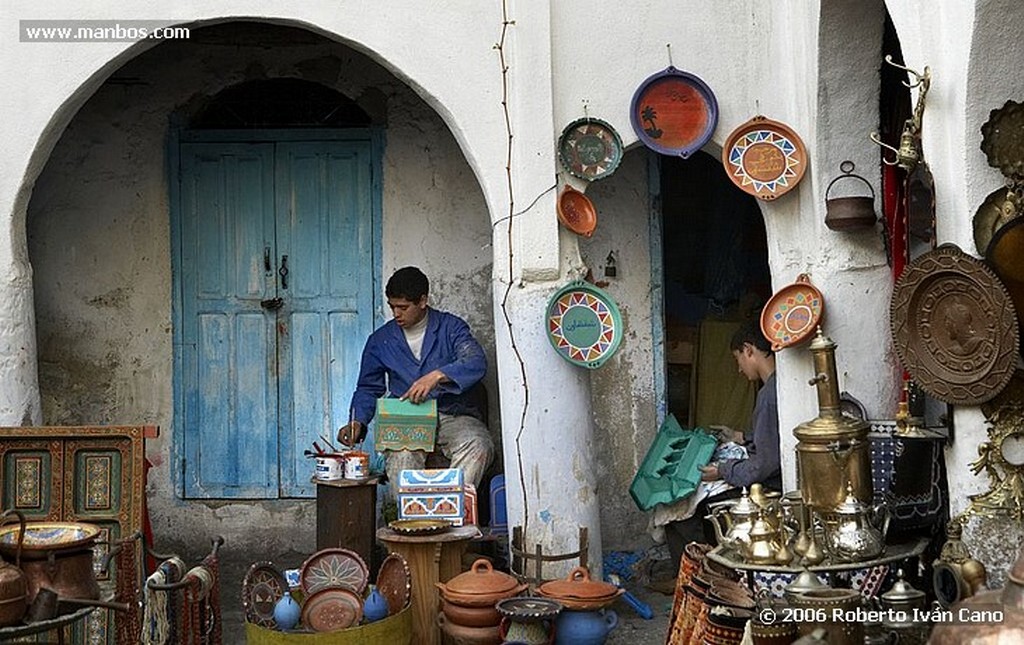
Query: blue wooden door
[276, 274]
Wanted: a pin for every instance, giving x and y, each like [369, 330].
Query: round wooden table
[432, 558]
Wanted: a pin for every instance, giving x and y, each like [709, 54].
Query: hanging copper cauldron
[849, 213]
[57, 555]
[13, 582]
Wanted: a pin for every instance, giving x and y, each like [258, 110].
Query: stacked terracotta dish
[468, 614]
[579, 592]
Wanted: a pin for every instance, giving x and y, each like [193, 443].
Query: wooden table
[432, 558]
[346, 515]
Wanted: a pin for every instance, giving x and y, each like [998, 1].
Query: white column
[19, 385]
[547, 431]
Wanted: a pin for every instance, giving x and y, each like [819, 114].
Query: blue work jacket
[388, 367]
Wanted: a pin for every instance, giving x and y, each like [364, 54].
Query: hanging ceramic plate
[584, 324]
[262, 587]
[329, 610]
[334, 568]
[576, 212]
[590, 149]
[792, 314]
[954, 327]
[394, 581]
[674, 113]
[764, 158]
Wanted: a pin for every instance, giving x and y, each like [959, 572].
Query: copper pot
[70, 574]
[13, 582]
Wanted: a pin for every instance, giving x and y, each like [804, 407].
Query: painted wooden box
[431, 505]
[404, 425]
[430, 479]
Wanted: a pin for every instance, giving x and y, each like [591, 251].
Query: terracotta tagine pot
[579, 592]
[481, 586]
[463, 635]
[486, 616]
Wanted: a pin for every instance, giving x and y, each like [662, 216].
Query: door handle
[283, 271]
[273, 304]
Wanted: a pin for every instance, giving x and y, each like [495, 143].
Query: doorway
[275, 274]
[715, 276]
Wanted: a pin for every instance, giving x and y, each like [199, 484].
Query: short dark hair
[750, 332]
[408, 283]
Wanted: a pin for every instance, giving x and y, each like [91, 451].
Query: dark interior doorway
[715, 263]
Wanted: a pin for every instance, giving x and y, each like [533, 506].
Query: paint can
[330, 467]
[357, 465]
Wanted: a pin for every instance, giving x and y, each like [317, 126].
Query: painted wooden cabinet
[91, 474]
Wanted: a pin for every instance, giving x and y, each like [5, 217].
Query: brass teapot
[766, 544]
[732, 522]
[855, 531]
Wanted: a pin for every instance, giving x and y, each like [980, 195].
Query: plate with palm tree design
[674, 112]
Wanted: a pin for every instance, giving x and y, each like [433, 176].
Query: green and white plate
[584, 324]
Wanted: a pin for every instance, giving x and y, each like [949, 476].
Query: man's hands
[709, 473]
[349, 434]
[423, 386]
[726, 434]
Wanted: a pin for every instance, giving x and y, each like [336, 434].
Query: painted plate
[674, 112]
[262, 587]
[954, 327]
[329, 610]
[419, 526]
[792, 314]
[394, 581]
[576, 212]
[334, 569]
[764, 158]
[584, 325]
[41, 537]
[590, 149]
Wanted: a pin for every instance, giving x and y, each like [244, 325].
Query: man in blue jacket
[421, 354]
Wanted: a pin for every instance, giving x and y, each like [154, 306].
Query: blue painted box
[404, 425]
[436, 479]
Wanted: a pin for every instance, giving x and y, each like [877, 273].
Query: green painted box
[404, 425]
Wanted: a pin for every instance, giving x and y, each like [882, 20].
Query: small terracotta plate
[333, 569]
[394, 581]
[420, 526]
[590, 149]
[576, 212]
[262, 587]
[792, 314]
[764, 158]
[329, 610]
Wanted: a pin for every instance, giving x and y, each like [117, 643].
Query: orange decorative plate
[334, 568]
[764, 158]
[576, 212]
[329, 610]
[792, 314]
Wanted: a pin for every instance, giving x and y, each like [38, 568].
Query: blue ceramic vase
[375, 606]
[584, 627]
[287, 612]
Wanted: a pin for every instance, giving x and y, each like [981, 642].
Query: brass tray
[419, 527]
[954, 327]
[1002, 140]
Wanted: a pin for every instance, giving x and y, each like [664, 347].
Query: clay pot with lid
[579, 592]
[481, 586]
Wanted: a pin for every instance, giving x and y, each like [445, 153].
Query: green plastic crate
[671, 469]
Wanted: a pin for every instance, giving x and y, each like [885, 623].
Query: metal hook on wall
[909, 153]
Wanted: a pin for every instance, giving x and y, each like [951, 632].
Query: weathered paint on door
[277, 282]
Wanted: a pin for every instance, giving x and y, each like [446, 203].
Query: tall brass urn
[832, 449]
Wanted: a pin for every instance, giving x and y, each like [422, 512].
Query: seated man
[755, 360]
[424, 354]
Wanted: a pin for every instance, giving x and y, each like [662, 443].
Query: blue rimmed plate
[590, 149]
[583, 324]
[674, 112]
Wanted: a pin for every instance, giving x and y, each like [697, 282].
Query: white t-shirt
[414, 336]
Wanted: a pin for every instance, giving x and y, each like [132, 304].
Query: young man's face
[745, 361]
[406, 312]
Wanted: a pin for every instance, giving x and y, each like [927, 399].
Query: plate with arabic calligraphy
[334, 568]
[954, 326]
[764, 158]
[583, 324]
[590, 149]
[674, 112]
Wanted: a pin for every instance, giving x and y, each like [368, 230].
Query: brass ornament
[1001, 458]
[954, 327]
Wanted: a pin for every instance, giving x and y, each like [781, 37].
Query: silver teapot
[855, 531]
[733, 520]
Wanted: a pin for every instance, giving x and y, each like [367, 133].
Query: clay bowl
[470, 616]
[462, 635]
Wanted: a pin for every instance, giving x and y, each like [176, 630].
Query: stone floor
[631, 630]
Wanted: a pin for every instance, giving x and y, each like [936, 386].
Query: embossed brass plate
[954, 327]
